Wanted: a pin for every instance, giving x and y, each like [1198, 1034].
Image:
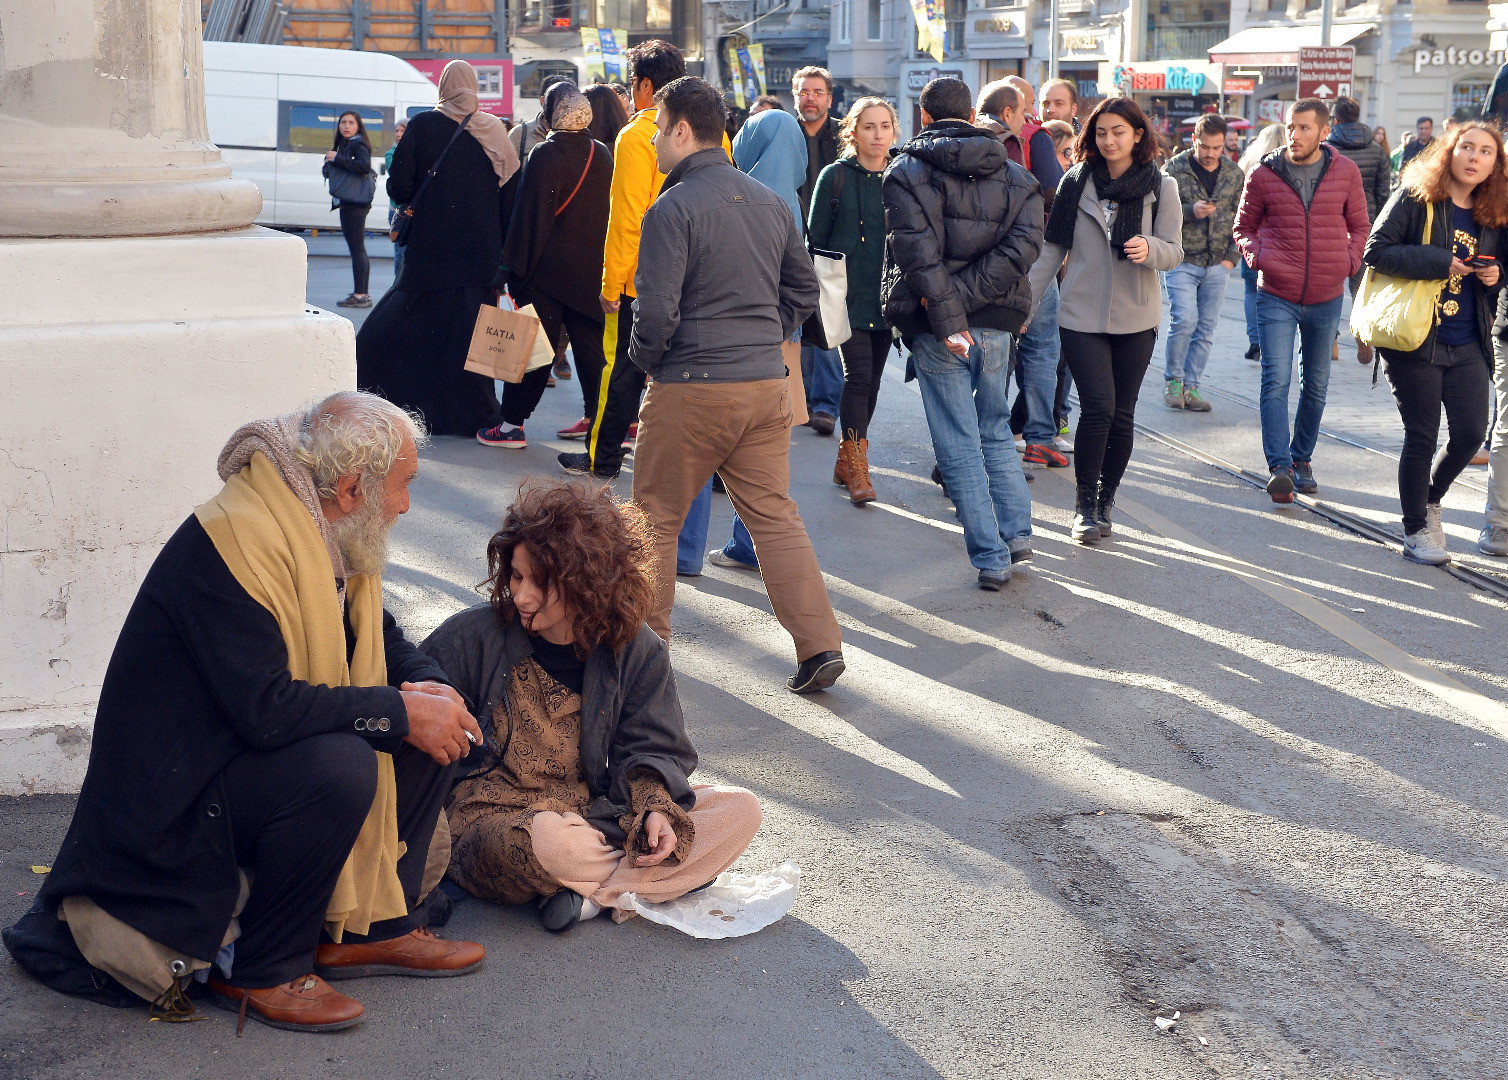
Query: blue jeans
[1315, 325]
[1195, 294]
[964, 399]
[822, 372]
[741, 547]
[1253, 326]
[1037, 356]
[691, 545]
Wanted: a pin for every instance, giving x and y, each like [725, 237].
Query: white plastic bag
[732, 906]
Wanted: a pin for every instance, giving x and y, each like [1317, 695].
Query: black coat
[555, 252]
[1394, 248]
[630, 712]
[456, 238]
[198, 676]
[1356, 142]
[964, 226]
[821, 151]
[353, 156]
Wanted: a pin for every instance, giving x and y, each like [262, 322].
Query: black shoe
[562, 367]
[717, 484]
[1086, 529]
[561, 911]
[1103, 504]
[1280, 485]
[937, 478]
[816, 673]
[994, 580]
[581, 465]
[821, 423]
[354, 301]
[1303, 478]
[1254, 352]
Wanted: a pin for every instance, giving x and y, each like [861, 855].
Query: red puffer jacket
[1303, 256]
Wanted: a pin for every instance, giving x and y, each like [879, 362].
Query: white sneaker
[1020, 445]
[1421, 547]
[1062, 445]
[1435, 523]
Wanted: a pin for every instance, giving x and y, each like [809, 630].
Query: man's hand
[660, 837]
[1203, 208]
[609, 307]
[1227, 264]
[959, 348]
[1488, 275]
[1136, 249]
[438, 722]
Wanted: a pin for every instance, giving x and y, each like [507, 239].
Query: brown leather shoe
[860, 489]
[417, 953]
[308, 1003]
[840, 467]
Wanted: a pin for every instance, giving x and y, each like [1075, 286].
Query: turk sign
[1326, 72]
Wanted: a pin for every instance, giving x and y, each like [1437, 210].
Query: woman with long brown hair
[351, 155]
[1116, 221]
[580, 790]
[1457, 186]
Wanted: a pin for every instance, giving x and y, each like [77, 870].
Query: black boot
[1102, 508]
[1086, 529]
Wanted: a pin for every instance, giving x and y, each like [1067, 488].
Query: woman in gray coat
[1115, 223]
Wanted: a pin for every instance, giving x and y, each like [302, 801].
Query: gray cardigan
[630, 712]
[1101, 294]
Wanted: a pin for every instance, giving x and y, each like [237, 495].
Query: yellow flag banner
[755, 53]
[735, 74]
[923, 25]
[938, 17]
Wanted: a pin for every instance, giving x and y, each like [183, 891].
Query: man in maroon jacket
[1302, 226]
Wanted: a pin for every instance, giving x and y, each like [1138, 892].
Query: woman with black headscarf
[553, 254]
[412, 348]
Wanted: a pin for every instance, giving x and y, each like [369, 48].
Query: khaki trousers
[573, 852]
[742, 431]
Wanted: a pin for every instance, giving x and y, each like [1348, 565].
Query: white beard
[362, 538]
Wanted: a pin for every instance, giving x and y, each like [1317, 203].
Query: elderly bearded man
[261, 711]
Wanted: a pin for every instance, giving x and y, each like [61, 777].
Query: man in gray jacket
[723, 279]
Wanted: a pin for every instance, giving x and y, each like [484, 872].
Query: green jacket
[858, 231]
[1207, 241]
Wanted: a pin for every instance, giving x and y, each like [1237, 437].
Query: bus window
[306, 127]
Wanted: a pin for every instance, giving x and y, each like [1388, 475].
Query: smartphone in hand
[1476, 262]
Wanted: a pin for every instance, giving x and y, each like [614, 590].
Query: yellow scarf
[273, 547]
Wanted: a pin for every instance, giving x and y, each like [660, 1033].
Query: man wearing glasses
[821, 369]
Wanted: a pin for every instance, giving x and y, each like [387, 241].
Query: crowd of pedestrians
[1010, 240]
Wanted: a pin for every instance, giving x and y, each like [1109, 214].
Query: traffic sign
[1326, 72]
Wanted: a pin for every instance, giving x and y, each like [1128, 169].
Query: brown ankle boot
[860, 490]
[841, 466]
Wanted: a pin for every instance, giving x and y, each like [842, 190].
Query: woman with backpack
[348, 168]
[848, 216]
[1443, 225]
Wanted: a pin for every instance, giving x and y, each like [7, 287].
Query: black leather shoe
[561, 911]
[816, 672]
[994, 580]
[821, 423]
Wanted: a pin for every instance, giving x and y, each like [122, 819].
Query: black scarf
[1133, 186]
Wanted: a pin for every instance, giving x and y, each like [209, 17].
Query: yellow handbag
[1396, 313]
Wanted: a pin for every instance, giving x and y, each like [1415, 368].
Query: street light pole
[1052, 34]
[1325, 16]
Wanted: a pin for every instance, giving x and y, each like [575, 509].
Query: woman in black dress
[412, 348]
[352, 153]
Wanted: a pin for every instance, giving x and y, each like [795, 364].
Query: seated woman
[579, 792]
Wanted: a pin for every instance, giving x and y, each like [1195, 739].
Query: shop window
[1467, 99]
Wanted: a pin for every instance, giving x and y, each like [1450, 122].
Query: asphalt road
[1236, 765]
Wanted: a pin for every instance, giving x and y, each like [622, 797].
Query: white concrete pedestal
[127, 363]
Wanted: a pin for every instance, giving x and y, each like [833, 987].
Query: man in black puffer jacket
[964, 226]
[1354, 139]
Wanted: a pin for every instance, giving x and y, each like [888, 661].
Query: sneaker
[579, 430]
[719, 557]
[562, 367]
[1038, 456]
[1303, 478]
[822, 423]
[354, 301]
[1280, 486]
[1172, 394]
[1020, 445]
[1254, 351]
[994, 580]
[1421, 547]
[1192, 401]
[581, 464]
[1061, 444]
[1063, 427]
[1494, 540]
[1434, 521]
[1021, 549]
[510, 437]
[816, 673]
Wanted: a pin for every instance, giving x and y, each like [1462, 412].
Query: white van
[272, 111]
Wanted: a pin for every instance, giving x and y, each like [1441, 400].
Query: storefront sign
[1272, 110]
[1175, 80]
[1240, 86]
[1083, 41]
[995, 26]
[1326, 72]
[1454, 57]
[916, 80]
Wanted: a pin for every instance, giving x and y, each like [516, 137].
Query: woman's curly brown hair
[1427, 177]
[594, 549]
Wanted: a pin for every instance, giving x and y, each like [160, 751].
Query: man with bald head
[270, 755]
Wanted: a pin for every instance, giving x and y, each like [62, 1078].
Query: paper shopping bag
[507, 344]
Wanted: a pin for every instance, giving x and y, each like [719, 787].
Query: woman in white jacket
[1115, 223]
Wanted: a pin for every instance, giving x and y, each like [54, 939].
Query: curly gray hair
[354, 432]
